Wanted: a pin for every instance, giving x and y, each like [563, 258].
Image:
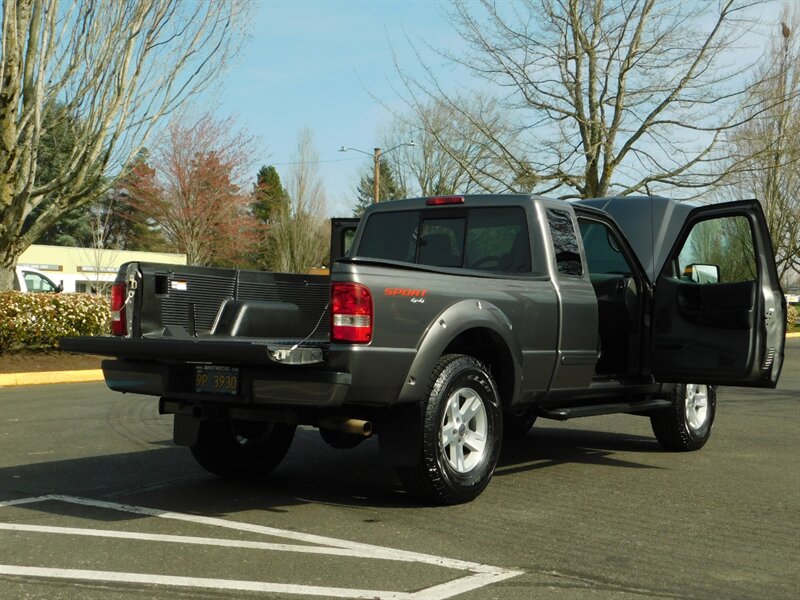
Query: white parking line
[480, 575]
[200, 582]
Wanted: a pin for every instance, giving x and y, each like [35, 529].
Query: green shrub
[37, 321]
[791, 316]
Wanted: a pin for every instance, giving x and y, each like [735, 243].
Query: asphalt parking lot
[96, 502]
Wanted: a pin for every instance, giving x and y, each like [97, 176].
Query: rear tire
[242, 449]
[462, 432]
[686, 425]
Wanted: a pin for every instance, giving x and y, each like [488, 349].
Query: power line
[314, 162]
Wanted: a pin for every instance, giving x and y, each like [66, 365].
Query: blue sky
[313, 63]
[318, 64]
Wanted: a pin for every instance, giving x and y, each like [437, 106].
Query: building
[87, 269]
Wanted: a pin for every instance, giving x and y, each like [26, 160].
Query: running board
[562, 414]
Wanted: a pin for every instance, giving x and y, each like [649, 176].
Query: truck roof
[469, 200]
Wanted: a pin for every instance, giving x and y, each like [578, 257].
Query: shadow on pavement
[545, 447]
[168, 477]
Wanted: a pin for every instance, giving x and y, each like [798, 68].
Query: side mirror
[702, 273]
[60, 288]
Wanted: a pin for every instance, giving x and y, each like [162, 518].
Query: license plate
[216, 380]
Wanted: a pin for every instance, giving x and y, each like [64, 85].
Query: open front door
[719, 314]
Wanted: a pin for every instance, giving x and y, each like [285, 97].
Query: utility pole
[376, 178]
[376, 159]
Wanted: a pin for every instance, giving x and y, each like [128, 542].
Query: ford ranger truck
[452, 322]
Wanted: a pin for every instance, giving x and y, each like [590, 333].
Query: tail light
[119, 320]
[351, 313]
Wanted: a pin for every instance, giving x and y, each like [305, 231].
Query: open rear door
[719, 314]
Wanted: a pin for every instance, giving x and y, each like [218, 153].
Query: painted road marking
[479, 575]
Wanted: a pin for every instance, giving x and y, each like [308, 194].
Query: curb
[50, 377]
[793, 335]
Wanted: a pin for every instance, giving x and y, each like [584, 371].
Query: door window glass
[348, 235]
[603, 254]
[719, 250]
[36, 283]
[565, 243]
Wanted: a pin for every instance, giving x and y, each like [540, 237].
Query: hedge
[37, 321]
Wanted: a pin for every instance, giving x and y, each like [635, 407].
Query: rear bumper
[206, 349]
[257, 387]
[271, 372]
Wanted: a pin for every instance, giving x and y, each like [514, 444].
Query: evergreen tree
[390, 189]
[59, 137]
[270, 198]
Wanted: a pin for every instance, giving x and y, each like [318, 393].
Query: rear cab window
[492, 239]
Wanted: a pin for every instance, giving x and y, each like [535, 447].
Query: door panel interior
[706, 327]
[714, 301]
[724, 305]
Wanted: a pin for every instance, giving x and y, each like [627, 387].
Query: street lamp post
[376, 159]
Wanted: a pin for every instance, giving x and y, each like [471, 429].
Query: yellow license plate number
[216, 380]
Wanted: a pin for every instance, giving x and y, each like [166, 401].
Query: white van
[28, 279]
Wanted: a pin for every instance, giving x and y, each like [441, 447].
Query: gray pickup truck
[451, 322]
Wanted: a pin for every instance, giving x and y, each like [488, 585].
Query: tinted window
[603, 253]
[485, 239]
[391, 236]
[497, 240]
[565, 243]
[441, 242]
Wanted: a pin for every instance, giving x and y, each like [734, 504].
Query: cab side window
[565, 243]
[719, 251]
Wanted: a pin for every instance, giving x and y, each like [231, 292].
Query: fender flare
[447, 326]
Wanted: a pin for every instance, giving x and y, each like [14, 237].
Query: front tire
[462, 433]
[686, 425]
[242, 449]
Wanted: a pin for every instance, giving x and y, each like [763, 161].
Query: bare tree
[450, 155]
[102, 254]
[299, 238]
[590, 92]
[113, 70]
[767, 148]
[192, 190]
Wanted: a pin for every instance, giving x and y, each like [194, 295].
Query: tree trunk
[9, 255]
[6, 278]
